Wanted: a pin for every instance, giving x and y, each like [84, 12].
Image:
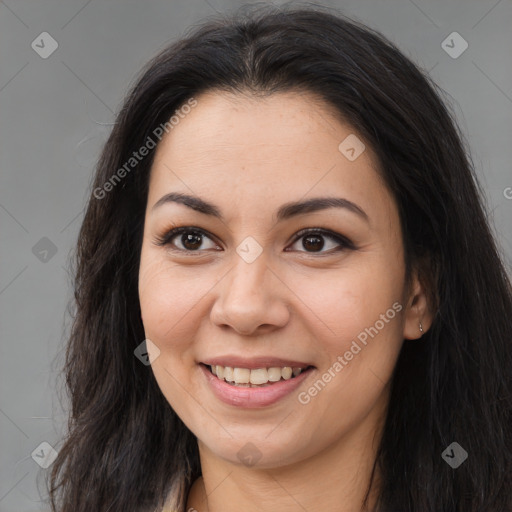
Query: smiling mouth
[256, 377]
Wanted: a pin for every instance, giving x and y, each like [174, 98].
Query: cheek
[363, 312]
[343, 304]
[170, 300]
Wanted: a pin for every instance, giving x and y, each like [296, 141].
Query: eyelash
[344, 243]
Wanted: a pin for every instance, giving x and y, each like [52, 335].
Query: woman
[288, 296]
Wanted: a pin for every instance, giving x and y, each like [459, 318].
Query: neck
[335, 479]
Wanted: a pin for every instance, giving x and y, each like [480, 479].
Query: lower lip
[252, 397]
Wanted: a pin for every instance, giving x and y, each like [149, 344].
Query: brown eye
[191, 239]
[313, 241]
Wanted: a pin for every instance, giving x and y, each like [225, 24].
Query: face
[255, 280]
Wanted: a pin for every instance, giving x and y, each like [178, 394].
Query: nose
[252, 298]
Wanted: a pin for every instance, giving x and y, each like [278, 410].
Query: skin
[249, 156]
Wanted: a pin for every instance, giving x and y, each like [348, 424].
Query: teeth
[256, 377]
[241, 375]
[274, 374]
[228, 374]
[287, 372]
[259, 376]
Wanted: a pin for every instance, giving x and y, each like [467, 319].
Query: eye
[191, 239]
[313, 241]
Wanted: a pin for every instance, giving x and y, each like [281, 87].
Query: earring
[421, 328]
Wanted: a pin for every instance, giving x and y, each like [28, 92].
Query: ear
[417, 311]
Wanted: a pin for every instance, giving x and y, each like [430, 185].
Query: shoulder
[193, 500]
[196, 496]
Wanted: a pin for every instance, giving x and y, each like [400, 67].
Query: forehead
[296, 122]
[244, 149]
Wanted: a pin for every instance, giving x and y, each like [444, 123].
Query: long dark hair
[126, 448]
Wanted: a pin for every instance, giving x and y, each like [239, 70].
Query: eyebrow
[286, 211]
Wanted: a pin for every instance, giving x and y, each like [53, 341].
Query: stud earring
[421, 328]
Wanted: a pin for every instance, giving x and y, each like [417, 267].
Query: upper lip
[254, 362]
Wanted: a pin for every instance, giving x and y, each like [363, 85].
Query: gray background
[57, 112]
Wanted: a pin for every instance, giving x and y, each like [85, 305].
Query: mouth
[256, 377]
[256, 387]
